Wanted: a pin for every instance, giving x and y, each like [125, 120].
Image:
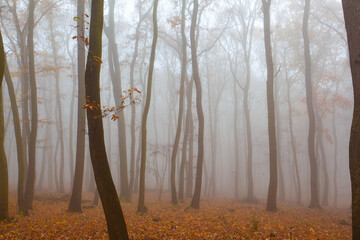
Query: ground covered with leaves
[217, 219]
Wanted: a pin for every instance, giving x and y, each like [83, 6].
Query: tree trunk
[141, 203]
[352, 21]
[335, 148]
[293, 143]
[195, 203]
[115, 74]
[4, 179]
[314, 202]
[183, 61]
[190, 126]
[109, 199]
[58, 103]
[30, 181]
[75, 200]
[272, 192]
[19, 142]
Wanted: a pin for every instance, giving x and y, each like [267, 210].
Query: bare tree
[272, 192]
[141, 203]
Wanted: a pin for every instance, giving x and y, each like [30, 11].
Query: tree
[195, 202]
[181, 106]
[352, 21]
[272, 192]
[115, 74]
[75, 200]
[314, 202]
[4, 184]
[19, 143]
[30, 181]
[141, 203]
[58, 104]
[109, 199]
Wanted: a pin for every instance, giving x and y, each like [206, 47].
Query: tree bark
[272, 192]
[141, 204]
[109, 199]
[352, 21]
[314, 202]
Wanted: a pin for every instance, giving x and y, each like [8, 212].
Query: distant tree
[107, 192]
[30, 181]
[314, 202]
[181, 106]
[272, 192]
[4, 184]
[195, 202]
[141, 203]
[115, 75]
[59, 114]
[75, 200]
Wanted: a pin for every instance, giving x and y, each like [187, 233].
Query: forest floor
[216, 219]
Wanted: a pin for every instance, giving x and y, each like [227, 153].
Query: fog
[233, 74]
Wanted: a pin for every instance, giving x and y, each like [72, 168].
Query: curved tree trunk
[19, 142]
[195, 203]
[141, 203]
[107, 192]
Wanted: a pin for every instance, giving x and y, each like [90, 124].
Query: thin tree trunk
[19, 143]
[314, 202]
[30, 181]
[114, 67]
[272, 192]
[141, 203]
[4, 179]
[335, 148]
[190, 126]
[183, 61]
[58, 103]
[195, 203]
[293, 144]
[75, 200]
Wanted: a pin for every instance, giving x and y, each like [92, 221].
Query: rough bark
[107, 192]
[314, 202]
[272, 191]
